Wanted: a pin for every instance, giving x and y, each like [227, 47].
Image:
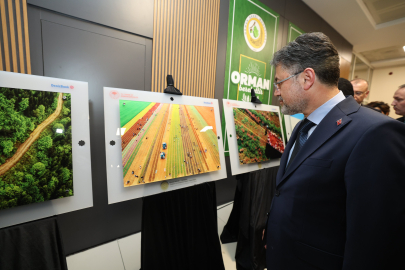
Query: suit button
[277, 193]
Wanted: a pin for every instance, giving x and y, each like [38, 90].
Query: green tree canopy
[24, 104]
[6, 146]
[38, 169]
[45, 143]
[65, 174]
[65, 111]
[40, 113]
[58, 126]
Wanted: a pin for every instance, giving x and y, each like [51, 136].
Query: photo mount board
[116, 190]
[290, 122]
[288, 129]
[236, 167]
[82, 179]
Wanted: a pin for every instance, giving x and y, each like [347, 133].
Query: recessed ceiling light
[403, 48]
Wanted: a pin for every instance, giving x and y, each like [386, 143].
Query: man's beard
[297, 105]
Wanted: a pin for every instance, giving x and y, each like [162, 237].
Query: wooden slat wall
[185, 37]
[14, 39]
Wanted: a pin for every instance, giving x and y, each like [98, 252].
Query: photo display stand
[290, 122]
[254, 128]
[138, 125]
[81, 196]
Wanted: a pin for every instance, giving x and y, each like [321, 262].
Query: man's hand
[265, 246]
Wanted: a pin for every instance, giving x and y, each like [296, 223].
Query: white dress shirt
[317, 116]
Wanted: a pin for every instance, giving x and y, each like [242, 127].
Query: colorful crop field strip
[258, 135]
[165, 141]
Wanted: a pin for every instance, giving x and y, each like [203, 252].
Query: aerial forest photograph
[164, 141]
[35, 146]
[258, 135]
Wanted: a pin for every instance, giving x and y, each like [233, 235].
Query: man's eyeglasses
[358, 93]
[277, 84]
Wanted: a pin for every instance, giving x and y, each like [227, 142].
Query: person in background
[346, 87]
[360, 88]
[380, 106]
[336, 205]
[399, 102]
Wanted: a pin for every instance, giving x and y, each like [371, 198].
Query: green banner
[293, 32]
[252, 41]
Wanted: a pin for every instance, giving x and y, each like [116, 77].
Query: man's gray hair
[401, 86]
[311, 50]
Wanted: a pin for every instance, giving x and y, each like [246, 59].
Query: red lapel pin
[338, 122]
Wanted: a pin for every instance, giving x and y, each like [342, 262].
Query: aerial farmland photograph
[258, 135]
[165, 141]
[35, 146]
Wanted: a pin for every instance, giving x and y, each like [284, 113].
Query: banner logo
[114, 94]
[252, 74]
[62, 86]
[255, 32]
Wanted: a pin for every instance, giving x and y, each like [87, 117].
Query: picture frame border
[81, 158]
[116, 190]
[236, 167]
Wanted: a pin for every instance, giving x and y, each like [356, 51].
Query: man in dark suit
[399, 103]
[340, 190]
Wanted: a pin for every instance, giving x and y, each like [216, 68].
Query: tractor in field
[162, 155]
[164, 145]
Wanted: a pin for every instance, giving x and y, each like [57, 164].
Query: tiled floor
[228, 250]
[125, 253]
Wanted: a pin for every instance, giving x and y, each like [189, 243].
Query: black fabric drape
[231, 230]
[180, 231]
[35, 245]
[251, 204]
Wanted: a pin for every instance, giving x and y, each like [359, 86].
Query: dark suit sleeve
[375, 205]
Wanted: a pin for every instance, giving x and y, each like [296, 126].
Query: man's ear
[309, 78]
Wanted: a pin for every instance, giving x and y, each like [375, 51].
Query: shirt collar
[317, 115]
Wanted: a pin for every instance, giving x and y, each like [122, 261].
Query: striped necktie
[301, 139]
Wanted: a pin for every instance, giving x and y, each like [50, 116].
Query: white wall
[361, 74]
[383, 85]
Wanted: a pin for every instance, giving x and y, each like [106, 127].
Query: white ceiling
[351, 21]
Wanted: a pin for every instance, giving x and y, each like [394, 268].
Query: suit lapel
[284, 157]
[325, 130]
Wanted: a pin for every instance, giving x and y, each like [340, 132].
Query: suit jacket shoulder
[339, 204]
[362, 117]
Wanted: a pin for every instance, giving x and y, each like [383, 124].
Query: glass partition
[361, 70]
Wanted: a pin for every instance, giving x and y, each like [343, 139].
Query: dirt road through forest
[31, 139]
